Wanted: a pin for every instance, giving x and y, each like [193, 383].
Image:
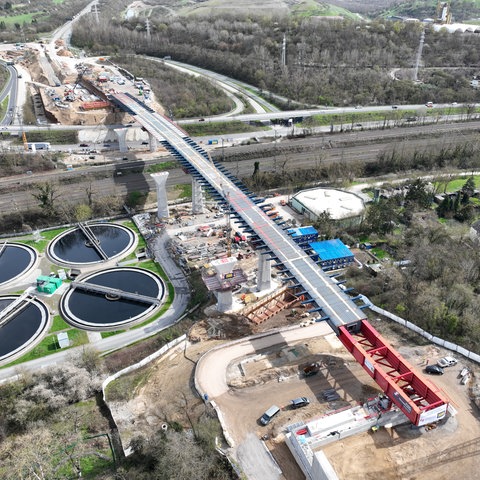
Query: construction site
[347, 404]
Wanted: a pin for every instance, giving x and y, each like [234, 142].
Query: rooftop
[331, 249]
[337, 203]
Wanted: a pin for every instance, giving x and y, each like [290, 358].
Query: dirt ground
[272, 377]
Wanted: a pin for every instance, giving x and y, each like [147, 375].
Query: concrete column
[122, 139]
[161, 183]
[153, 142]
[197, 197]
[264, 273]
[223, 268]
[224, 301]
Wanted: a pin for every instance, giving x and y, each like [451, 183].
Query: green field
[20, 19]
[456, 184]
[46, 236]
[310, 8]
[220, 128]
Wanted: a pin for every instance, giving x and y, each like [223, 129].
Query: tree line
[327, 62]
[180, 94]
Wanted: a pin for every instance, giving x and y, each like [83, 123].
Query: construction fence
[431, 338]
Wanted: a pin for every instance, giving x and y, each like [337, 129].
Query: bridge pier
[162, 202]
[122, 139]
[197, 197]
[153, 142]
[224, 300]
[264, 273]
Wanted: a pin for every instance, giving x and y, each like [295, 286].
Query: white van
[269, 414]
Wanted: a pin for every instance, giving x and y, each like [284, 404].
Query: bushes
[38, 396]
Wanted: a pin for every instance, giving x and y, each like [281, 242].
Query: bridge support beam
[162, 202]
[197, 197]
[122, 139]
[153, 142]
[264, 273]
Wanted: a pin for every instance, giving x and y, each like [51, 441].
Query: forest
[336, 62]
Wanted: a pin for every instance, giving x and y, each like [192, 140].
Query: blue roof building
[332, 254]
[303, 234]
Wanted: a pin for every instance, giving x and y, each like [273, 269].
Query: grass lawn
[185, 190]
[310, 8]
[59, 324]
[221, 128]
[456, 184]
[46, 236]
[20, 19]
[141, 241]
[111, 334]
[379, 253]
[160, 167]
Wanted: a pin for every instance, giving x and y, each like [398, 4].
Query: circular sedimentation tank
[92, 309]
[24, 329]
[77, 247]
[16, 260]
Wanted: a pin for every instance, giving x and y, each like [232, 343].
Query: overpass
[415, 396]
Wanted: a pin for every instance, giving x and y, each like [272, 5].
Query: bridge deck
[337, 306]
[416, 397]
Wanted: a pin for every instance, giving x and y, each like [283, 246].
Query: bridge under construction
[413, 394]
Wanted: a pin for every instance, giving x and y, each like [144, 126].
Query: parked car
[269, 414]
[84, 145]
[299, 402]
[447, 362]
[434, 370]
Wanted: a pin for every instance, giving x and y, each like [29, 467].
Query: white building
[344, 207]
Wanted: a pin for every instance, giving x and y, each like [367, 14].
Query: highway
[229, 84]
[324, 293]
[10, 90]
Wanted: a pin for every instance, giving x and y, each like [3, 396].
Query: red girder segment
[95, 105]
[420, 400]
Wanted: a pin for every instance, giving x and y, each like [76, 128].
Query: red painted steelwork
[94, 105]
[416, 397]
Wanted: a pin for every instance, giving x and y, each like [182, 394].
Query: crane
[24, 135]
[444, 15]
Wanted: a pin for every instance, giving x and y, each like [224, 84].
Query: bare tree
[47, 195]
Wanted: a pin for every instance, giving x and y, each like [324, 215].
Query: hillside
[300, 8]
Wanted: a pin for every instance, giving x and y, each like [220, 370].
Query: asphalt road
[210, 379]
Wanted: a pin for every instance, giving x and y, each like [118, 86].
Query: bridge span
[418, 398]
